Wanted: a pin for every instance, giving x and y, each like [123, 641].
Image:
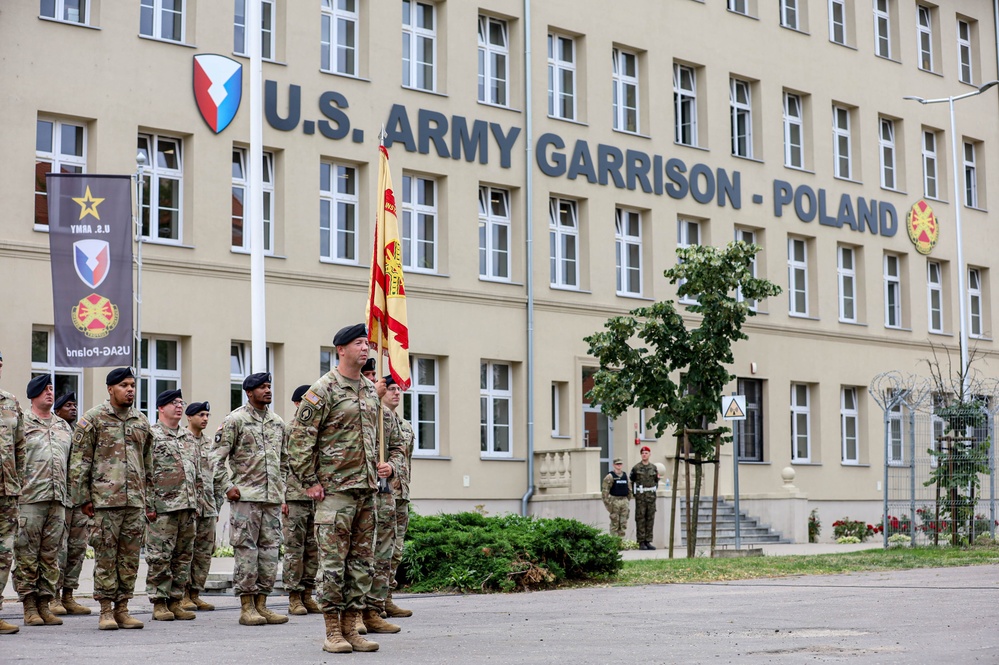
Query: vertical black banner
[90, 241]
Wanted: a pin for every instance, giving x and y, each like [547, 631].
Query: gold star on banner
[88, 205]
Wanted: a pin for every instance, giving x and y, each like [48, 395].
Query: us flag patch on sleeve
[311, 397]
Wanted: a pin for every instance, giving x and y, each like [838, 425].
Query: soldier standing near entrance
[112, 445]
[301, 554]
[400, 490]
[11, 472]
[616, 492]
[645, 480]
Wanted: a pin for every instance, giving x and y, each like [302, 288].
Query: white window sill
[501, 107]
[491, 458]
[573, 289]
[356, 77]
[75, 24]
[146, 240]
[569, 120]
[426, 92]
[166, 41]
[337, 262]
[246, 252]
[442, 458]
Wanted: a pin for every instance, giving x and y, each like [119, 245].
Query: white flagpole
[140, 162]
[255, 193]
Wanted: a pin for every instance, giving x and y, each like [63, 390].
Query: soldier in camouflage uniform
[400, 489]
[43, 501]
[616, 493]
[12, 458]
[171, 506]
[645, 481]
[112, 448]
[301, 554]
[332, 451]
[251, 440]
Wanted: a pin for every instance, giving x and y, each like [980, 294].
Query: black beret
[389, 381]
[116, 376]
[349, 334]
[37, 385]
[256, 380]
[166, 397]
[62, 399]
[299, 391]
[194, 408]
[369, 365]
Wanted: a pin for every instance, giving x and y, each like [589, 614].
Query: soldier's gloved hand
[233, 494]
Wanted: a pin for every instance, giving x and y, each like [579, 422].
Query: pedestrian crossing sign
[734, 407]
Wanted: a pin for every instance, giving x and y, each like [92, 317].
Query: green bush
[472, 552]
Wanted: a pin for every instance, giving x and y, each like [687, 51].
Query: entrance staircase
[751, 532]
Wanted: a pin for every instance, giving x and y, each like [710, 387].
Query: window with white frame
[628, 251]
[741, 103]
[338, 212]
[556, 412]
[886, 143]
[495, 409]
[797, 276]
[240, 233]
[882, 28]
[685, 104]
[896, 434]
[842, 154]
[338, 37]
[789, 14]
[421, 406]
[837, 21]
[970, 176]
[849, 419]
[162, 185]
[494, 61]
[924, 36]
[801, 440]
[561, 76]
[327, 359]
[975, 303]
[419, 223]
[930, 165]
[158, 371]
[64, 379]
[68, 11]
[563, 242]
[494, 233]
[688, 234]
[964, 60]
[60, 147]
[240, 367]
[794, 134]
[749, 237]
[240, 45]
[748, 433]
[893, 291]
[419, 45]
[935, 295]
[739, 6]
[846, 269]
[162, 19]
[625, 90]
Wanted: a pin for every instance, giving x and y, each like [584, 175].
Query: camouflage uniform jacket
[211, 479]
[294, 490]
[172, 478]
[644, 477]
[11, 445]
[109, 458]
[252, 443]
[47, 444]
[400, 480]
[609, 480]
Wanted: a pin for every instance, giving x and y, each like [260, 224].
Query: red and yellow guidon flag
[388, 324]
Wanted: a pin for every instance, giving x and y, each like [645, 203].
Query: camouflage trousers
[40, 527]
[385, 535]
[75, 539]
[169, 550]
[117, 539]
[301, 554]
[8, 531]
[345, 533]
[204, 547]
[645, 516]
[619, 507]
[401, 526]
[255, 536]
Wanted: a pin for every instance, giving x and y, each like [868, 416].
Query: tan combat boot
[270, 617]
[45, 613]
[393, 610]
[334, 638]
[248, 615]
[70, 605]
[374, 622]
[107, 621]
[31, 616]
[187, 603]
[56, 607]
[123, 618]
[10, 629]
[361, 628]
[199, 604]
[295, 605]
[179, 612]
[348, 626]
[161, 612]
[310, 605]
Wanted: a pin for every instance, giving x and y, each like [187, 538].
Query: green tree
[651, 359]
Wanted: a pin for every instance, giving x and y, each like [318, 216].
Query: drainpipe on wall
[529, 226]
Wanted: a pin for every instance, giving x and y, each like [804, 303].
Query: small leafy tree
[651, 359]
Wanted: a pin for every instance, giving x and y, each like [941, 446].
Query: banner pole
[255, 194]
[140, 161]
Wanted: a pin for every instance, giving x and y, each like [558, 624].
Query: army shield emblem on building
[92, 260]
[218, 89]
[922, 226]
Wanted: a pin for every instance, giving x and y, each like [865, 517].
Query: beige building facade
[548, 159]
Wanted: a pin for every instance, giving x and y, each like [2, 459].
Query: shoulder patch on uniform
[305, 414]
[311, 397]
[82, 423]
[218, 435]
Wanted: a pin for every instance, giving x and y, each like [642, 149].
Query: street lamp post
[958, 204]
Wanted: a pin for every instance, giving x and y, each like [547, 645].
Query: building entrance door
[598, 429]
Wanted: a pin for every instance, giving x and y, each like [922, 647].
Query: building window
[846, 269]
[975, 303]
[563, 242]
[338, 41]
[964, 64]
[749, 237]
[842, 155]
[628, 250]
[882, 28]
[934, 285]
[924, 36]
[419, 45]
[240, 45]
[327, 359]
[162, 184]
[158, 371]
[64, 379]
[741, 101]
[739, 6]
[338, 212]
[886, 141]
[625, 90]
[801, 440]
[896, 430]
[794, 155]
[494, 61]
[162, 19]
[748, 433]
[837, 21]
[557, 408]
[849, 418]
[70, 11]
[893, 291]
[494, 233]
[60, 147]
[419, 223]
[797, 276]
[970, 176]
[240, 233]
[240, 367]
[688, 234]
[420, 406]
[495, 409]
[685, 104]
[930, 165]
[790, 14]
[561, 77]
